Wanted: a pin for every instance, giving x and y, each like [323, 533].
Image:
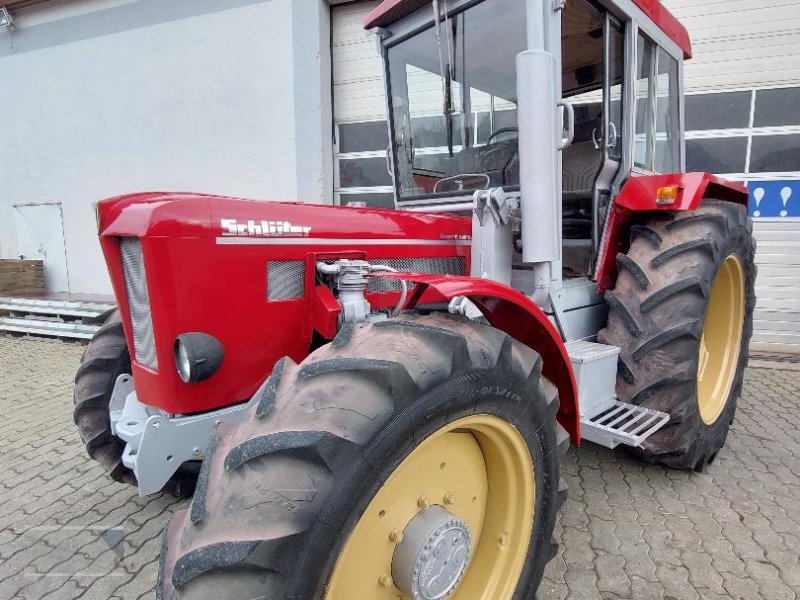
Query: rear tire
[106, 358]
[282, 493]
[659, 317]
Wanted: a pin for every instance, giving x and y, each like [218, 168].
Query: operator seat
[580, 164]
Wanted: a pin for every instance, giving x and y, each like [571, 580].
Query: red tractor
[380, 400]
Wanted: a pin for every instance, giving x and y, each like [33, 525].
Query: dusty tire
[282, 491]
[657, 316]
[106, 358]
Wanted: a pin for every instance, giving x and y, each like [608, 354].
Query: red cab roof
[389, 11]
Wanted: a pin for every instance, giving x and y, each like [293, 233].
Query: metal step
[622, 423]
[94, 311]
[48, 328]
[604, 419]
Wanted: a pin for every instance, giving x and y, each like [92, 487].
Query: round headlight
[182, 361]
[197, 356]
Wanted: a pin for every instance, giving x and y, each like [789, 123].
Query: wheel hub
[430, 561]
[451, 522]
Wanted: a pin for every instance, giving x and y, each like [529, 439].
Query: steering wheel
[501, 131]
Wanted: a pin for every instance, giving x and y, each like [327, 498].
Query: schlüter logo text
[263, 228]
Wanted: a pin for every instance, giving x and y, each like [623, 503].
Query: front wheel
[415, 458]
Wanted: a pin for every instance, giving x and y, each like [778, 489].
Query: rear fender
[638, 196]
[510, 311]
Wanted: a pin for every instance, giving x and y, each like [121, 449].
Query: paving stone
[627, 530]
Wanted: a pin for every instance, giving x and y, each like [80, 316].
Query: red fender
[638, 195]
[510, 311]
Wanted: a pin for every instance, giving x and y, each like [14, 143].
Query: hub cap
[433, 555]
[721, 342]
[453, 520]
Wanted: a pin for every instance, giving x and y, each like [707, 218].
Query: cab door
[593, 67]
[611, 140]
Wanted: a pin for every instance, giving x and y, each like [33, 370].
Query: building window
[745, 133]
[727, 110]
[775, 154]
[363, 172]
[777, 107]
[725, 155]
[363, 137]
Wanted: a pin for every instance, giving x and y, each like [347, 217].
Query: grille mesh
[450, 265]
[138, 302]
[286, 279]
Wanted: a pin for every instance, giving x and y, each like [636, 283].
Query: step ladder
[604, 419]
[43, 317]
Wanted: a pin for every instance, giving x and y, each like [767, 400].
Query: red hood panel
[207, 263]
[197, 215]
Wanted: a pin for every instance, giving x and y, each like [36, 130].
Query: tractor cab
[596, 84]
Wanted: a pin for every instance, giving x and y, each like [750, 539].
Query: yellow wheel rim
[479, 469]
[721, 342]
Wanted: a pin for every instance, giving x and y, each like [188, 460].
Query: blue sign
[774, 198]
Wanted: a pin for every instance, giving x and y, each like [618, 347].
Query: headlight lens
[182, 361]
[197, 356]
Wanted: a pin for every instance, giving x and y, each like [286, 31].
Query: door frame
[18, 205]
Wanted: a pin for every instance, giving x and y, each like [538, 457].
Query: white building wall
[104, 97]
[740, 43]
[754, 46]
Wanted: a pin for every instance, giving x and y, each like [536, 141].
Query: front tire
[682, 312]
[107, 357]
[309, 496]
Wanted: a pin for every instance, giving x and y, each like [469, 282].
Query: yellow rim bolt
[396, 536]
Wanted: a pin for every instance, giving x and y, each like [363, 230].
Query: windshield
[453, 95]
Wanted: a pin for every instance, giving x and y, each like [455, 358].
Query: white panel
[358, 91]
[740, 43]
[776, 321]
[745, 44]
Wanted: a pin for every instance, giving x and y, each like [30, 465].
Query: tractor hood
[158, 214]
[244, 272]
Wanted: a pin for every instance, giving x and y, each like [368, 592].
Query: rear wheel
[681, 312]
[416, 456]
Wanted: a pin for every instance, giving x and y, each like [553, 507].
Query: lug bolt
[423, 502]
[385, 581]
[449, 498]
[396, 536]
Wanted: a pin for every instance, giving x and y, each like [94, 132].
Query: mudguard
[511, 311]
[639, 195]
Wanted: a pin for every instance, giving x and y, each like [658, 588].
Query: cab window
[657, 92]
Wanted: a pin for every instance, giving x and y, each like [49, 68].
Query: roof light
[6, 18]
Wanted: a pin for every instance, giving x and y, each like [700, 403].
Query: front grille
[449, 265]
[144, 347]
[286, 279]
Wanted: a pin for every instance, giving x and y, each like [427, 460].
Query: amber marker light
[667, 194]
